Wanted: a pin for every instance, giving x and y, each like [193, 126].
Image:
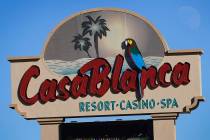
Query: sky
[25, 25]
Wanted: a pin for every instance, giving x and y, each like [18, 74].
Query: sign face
[105, 62]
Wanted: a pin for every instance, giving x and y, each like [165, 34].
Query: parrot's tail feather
[139, 94]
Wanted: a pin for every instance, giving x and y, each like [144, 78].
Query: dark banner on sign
[116, 130]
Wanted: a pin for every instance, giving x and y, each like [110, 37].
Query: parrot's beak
[124, 44]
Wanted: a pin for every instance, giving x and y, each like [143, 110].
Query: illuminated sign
[105, 62]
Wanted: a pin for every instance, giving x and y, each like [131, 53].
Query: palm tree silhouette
[82, 43]
[96, 28]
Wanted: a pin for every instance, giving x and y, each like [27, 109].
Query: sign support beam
[164, 126]
[50, 128]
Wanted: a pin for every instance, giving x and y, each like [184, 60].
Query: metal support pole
[164, 126]
[50, 128]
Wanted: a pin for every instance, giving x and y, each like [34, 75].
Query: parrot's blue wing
[138, 60]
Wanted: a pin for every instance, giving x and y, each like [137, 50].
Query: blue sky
[25, 25]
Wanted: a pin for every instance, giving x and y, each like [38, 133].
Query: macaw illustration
[135, 60]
